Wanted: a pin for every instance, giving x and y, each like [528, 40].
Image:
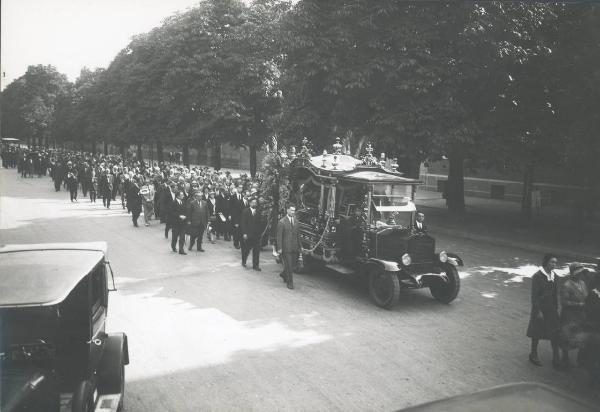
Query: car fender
[454, 259]
[115, 354]
[387, 265]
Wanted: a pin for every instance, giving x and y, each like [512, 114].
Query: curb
[577, 256]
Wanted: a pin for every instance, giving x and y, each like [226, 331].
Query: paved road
[205, 334]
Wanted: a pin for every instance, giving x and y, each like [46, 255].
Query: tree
[29, 104]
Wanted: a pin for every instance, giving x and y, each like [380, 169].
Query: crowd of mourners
[205, 203]
[200, 202]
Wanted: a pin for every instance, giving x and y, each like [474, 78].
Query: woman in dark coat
[544, 321]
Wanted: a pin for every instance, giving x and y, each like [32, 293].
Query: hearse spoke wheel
[443, 291]
[384, 288]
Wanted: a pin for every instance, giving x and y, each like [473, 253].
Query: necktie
[292, 221]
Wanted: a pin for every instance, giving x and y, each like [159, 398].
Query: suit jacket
[288, 236]
[176, 210]
[417, 230]
[212, 208]
[250, 225]
[235, 209]
[197, 213]
[223, 204]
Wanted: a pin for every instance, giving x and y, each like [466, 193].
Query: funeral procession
[299, 205]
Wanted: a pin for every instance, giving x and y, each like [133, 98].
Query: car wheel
[446, 291]
[384, 288]
[83, 397]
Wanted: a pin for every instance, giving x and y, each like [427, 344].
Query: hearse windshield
[392, 206]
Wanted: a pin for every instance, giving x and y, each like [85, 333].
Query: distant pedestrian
[288, 244]
[147, 193]
[197, 213]
[544, 319]
[178, 220]
[250, 229]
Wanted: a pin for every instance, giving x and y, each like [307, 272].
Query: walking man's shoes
[534, 360]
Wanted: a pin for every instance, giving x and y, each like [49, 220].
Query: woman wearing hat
[544, 320]
[572, 297]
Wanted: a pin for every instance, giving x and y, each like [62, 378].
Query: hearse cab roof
[44, 274]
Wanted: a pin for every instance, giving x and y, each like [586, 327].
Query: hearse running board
[344, 270]
[104, 403]
[108, 403]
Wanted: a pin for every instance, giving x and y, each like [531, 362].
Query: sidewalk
[499, 222]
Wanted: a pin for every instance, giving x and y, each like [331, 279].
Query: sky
[71, 34]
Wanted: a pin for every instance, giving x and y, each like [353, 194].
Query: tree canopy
[492, 84]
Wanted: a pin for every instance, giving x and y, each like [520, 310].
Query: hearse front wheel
[446, 291]
[83, 397]
[384, 288]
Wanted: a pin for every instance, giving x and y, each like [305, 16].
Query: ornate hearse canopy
[367, 169]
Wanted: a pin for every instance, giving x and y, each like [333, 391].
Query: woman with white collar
[544, 320]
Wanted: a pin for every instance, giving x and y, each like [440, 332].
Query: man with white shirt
[419, 225]
[288, 244]
[251, 232]
[178, 220]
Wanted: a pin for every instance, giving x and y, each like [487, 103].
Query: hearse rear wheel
[384, 288]
[443, 291]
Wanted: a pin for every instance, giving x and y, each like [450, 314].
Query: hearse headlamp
[406, 260]
[443, 256]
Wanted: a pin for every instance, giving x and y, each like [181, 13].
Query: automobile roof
[44, 274]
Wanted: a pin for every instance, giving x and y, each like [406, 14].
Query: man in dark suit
[236, 205]
[197, 213]
[107, 182]
[72, 181]
[419, 225]
[250, 229]
[177, 219]
[288, 244]
[223, 213]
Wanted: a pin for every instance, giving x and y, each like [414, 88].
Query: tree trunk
[123, 151]
[217, 155]
[186, 154]
[105, 143]
[412, 168]
[527, 188]
[139, 153]
[159, 152]
[455, 186]
[253, 161]
[93, 147]
[46, 145]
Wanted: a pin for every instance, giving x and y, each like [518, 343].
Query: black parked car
[55, 354]
[357, 216]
